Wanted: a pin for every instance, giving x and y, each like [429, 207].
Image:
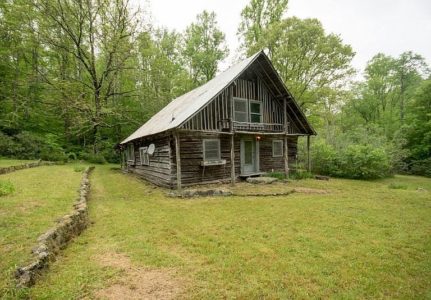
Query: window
[130, 152]
[211, 149]
[255, 112]
[277, 148]
[145, 158]
[240, 109]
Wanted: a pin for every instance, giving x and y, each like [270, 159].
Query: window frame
[273, 148]
[204, 141]
[252, 113]
[144, 156]
[130, 152]
[246, 112]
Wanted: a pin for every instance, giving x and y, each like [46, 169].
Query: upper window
[211, 149]
[130, 152]
[277, 148]
[255, 112]
[240, 110]
[145, 158]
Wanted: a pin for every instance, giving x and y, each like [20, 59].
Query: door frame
[256, 154]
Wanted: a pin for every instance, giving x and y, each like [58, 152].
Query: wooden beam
[232, 159]
[308, 154]
[178, 159]
[286, 157]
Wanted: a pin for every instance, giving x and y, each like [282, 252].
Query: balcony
[250, 126]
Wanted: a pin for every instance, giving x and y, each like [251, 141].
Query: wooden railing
[249, 126]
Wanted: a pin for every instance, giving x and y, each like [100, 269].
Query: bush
[355, 161]
[300, 174]
[94, 158]
[421, 167]
[6, 188]
[78, 168]
[278, 175]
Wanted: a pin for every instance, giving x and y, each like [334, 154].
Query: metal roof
[183, 107]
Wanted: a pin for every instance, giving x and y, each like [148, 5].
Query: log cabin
[244, 122]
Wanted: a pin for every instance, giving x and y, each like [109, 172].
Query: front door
[249, 156]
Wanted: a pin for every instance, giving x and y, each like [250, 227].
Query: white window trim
[219, 149]
[282, 148]
[260, 110]
[144, 156]
[247, 108]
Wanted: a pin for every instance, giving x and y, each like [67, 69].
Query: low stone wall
[26, 166]
[56, 238]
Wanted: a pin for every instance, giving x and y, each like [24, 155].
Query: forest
[78, 76]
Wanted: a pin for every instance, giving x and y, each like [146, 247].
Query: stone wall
[56, 238]
[26, 166]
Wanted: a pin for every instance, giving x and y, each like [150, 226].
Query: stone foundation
[56, 238]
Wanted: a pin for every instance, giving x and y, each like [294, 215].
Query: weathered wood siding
[216, 113]
[268, 163]
[191, 153]
[191, 146]
[159, 170]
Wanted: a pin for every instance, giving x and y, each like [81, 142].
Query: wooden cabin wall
[159, 169]
[191, 151]
[276, 164]
[210, 117]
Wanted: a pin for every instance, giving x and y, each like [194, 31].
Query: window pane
[240, 105]
[255, 107]
[241, 117]
[255, 118]
[277, 148]
[248, 152]
[212, 149]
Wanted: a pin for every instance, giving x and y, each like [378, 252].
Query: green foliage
[204, 47]
[421, 167]
[355, 161]
[300, 174]
[397, 186]
[78, 168]
[94, 158]
[278, 175]
[6, 188]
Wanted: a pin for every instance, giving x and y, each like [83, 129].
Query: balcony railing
[249, 126]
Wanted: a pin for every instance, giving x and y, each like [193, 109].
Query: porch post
[286, 147]
[286, 157]
[308, 154]
[232, 159]
[178, 159]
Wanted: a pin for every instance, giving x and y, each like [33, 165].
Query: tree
[204, 47]
[97, 35]
[256, 18]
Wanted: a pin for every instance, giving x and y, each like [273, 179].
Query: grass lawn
[360, 240]
[41, 195]
[13, 162]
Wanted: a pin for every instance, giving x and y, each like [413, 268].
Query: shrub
[94, 158]
[421, 167]
[278, 175]
[78, 168]
[300, 174]
[324, 158]
[6, 188]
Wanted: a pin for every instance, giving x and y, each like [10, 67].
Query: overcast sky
[369, 26]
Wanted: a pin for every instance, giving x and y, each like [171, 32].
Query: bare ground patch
[310, 191]
[138, 283]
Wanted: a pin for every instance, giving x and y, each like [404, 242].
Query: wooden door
[249, 156]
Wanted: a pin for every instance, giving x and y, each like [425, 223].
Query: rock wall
[56, 238]
[26, 166]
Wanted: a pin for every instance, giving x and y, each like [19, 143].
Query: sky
[369, 26]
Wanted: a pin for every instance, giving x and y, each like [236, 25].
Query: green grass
[13, 162]
[41, 195]
[361, 240]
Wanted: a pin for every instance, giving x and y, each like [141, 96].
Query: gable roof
[183, 107]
